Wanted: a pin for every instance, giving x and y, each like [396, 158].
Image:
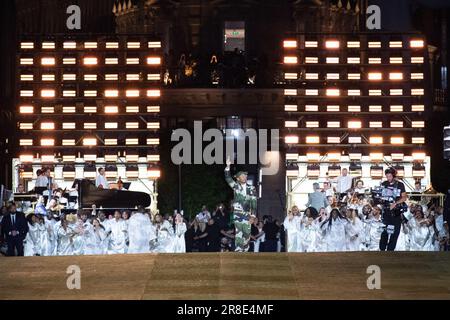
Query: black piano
[89, 195]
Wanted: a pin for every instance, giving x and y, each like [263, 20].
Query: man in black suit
[14, 230]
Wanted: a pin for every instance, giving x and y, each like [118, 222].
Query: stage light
[153, 93]
[132, 93]
[26, 77]
[132, 125]
[312, 139]
[311, 76]
[289, 44]
[354, 92]
[376, 172]
[375, 124]
[110, 142]
[132, 109]
[418, 140]
[334, 156]
[69, 171]
[153, 125]
[374, 60]
[290, 76]
[154, 44]
[375, 108]
[153, 173]
[89, 157]
[132, 172]
[333, 92]
[132, 158]
[290, 107]
[332, 60]
[68, 125]
[375, 76]
[334, 171]
[333, 124]
[418, 171]
[111, 93]
[396, 60]
[68, 158]
[111, 109]
[90, 77]
[290, 60]
[111, 45]
[69, 45]
[333, 140]
[26, 93]
[311, 44]
[416, 43]
[111, 60]
[333, 108]
[47, 158]
[155, 60]
[89, 61]
[47, 126]
[354, 124]
[90, 109]
[26, 158]
[353, 60]
[90, 125]
[418, 124]
[354, 109]
[26, 61]
[396, 92]
[313, 171]
[353, 44]
[311, 60]
[131, 141]
[90, 45]
[417, 92]
[291, 156]
[395, 76]
[376, 156]
[417, 60]
[69, 109]
[396, 124]
[355, 156]
[354, 76]
[69, 60]
[25, 142]
[69, 77]
[396, 156]
[110, 157]
[90, 171]
[313, 156]
[416, 76]
[374, 44]
[400, 171]
[111, 125]
[376, 140]
[89, 141]
[152, 141]
[47, 93]
[48, 109]
[291, 124]
[332, 44]
[311, 92]
[111, 77]
[374, 92]
[90, 93]
[26, 109]
[133, 45]
[312, 124]
[110, 171]
[26, 125]
[69, 93]
[153, 109]
[292, 170]
[46, 142]
[48, 45]
[153, 158]
[291, 139]
[26, 45]
[153, 76]
[132, 76]
[354, 139]
[418, 156]
[355, 169]
[132, 61]
[68, 142]
[395, 44]
[397, 140]
[332, 76]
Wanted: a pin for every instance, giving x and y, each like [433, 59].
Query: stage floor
[404, 275]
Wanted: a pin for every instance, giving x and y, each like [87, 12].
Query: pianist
[100, 181]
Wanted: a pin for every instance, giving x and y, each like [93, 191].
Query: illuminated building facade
[85, 102]
[354, 101]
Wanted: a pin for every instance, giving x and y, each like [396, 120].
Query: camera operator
[392, 216]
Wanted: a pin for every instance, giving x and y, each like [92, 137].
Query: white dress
[320, 244]
[64, 241]
[32, 243]
[334, 235]
[372, 233]
[354, 235]
[179, 243]
[140, 232]
[95, 241]
[118, 235]
[293, 233]
[308, 233]
[164, 238]
[51, 237]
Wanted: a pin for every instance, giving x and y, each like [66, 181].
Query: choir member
[308, 231]
[292, 225]
[353, 231]
[179, 244]
[164, 235]
[65, 236]
[140, 233]
[373, 228]
[117, 230]
[31, 242]
[333, 231]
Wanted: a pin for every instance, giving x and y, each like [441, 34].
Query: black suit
[20, 225]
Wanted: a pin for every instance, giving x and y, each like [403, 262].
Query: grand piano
[89, 195]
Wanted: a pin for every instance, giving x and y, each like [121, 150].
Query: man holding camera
[392, 216]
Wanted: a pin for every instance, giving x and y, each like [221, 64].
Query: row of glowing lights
[130, 174]
[353, 108]
[376, 171]
[336, 44]
[334, 92]
[49, 142]
[89, 61]
[88, 125]
[356, 156]
[395, 140]
[27, 45]
[28, 109]
[90, 77]
[354, 124]
[108, 93]
[24, 158]
[291, 60]
[373, 76]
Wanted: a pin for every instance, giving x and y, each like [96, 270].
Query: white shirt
[41, 181]
[343, 183]
[101, 180]
[203, 216]
[329, 192]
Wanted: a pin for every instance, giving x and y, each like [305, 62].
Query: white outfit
[82, 230]
[334, 234]
[343, 183]
[164, 237]
[293, 233]
[308, 233]
[140, 233]
[420, 236]
[354, 234]
[203, 216]
[373, 228]
[64, 241]
[51, 237]
[41, 181]
[95, 241]
[179, 243]
[260, 240]
[118, 235]
[101, 180]
[320, 245]
[32, 243]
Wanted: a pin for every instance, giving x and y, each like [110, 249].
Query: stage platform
[404, 275]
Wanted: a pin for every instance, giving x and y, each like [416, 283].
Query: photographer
[392, 216]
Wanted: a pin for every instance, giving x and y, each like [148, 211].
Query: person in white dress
[64, 239]
[50, 223]
[353, 231]
[118, 233]
[179, 243]
[82, 228]
[95, 239]
[164, 240]
[308, 230]
[420, 232]
[373, 228]
[140, 233]
[333, 231]
[320, 245]
[32, 239]
[292, 225]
